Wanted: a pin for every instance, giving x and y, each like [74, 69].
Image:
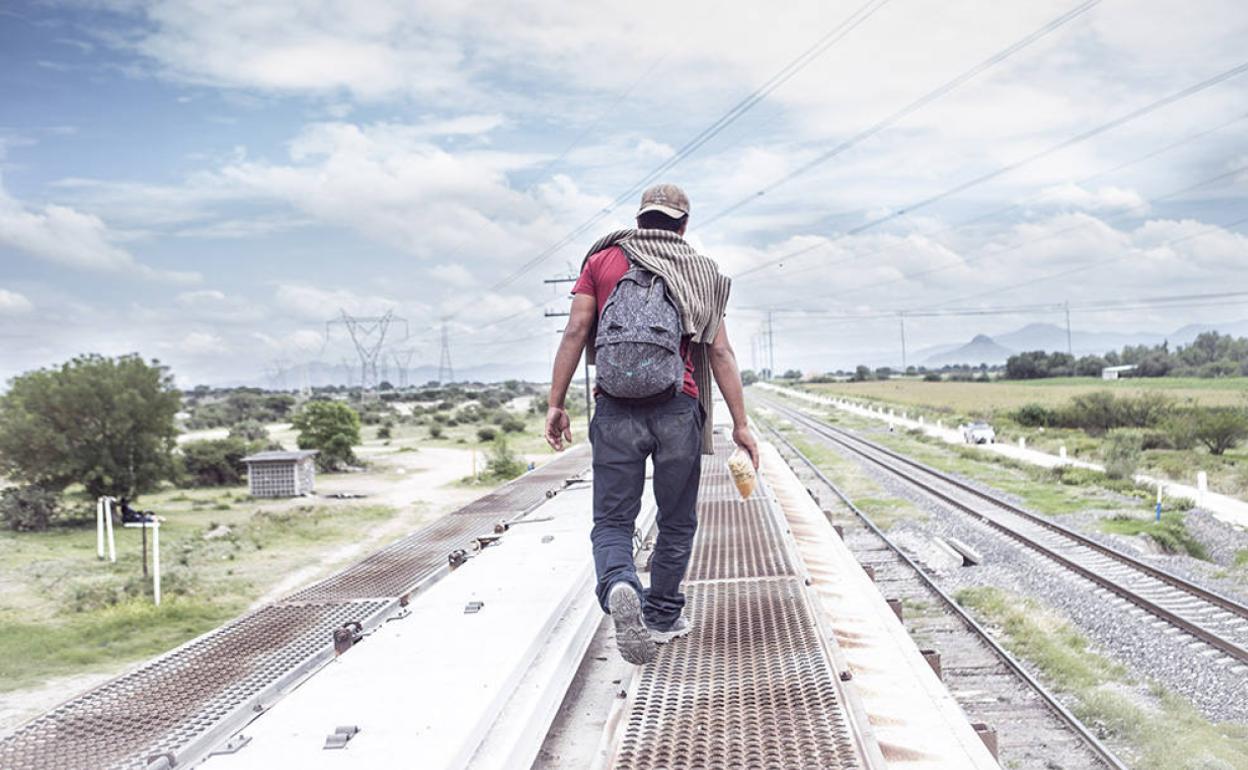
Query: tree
[861, 374]
[331, 427]
[748, 377]
[792, 374]
[214, 462]
[1220, 429]
[107, 423]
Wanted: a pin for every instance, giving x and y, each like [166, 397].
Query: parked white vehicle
[979, 433]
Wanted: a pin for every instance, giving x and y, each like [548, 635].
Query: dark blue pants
[623, 435]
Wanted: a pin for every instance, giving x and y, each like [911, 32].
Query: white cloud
[453, 274]
[203, 344]
[1100, 199]
[14, 303]
[69, 237]
[317, 304]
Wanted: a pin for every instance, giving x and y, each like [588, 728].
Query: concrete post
[1061, 452]
[1202, 487]
[1022, 442]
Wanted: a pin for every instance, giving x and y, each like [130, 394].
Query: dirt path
[424, 489]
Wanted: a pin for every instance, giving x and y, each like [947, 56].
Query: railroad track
[1034, 729]
[1219, 623]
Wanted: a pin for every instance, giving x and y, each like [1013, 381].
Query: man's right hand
[558, 428]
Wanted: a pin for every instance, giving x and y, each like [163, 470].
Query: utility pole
[589, 396]
[771, 346]
[901, 318]
[446, 373]
[1070, 348]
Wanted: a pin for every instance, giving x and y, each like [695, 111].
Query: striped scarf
[699, 290]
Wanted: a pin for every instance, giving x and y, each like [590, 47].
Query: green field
[985, 399]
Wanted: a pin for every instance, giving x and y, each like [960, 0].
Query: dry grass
[983, 399]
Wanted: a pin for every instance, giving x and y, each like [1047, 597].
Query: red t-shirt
[602, 271]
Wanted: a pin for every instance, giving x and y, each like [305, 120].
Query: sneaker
[681, 627]
[631, 634]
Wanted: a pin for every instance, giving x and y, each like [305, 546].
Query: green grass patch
[1170, 534]
[1156, 730]
[1241, 558]
[133, 630]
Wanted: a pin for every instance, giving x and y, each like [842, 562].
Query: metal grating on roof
[400, 566]
[528, 491]
[738, 539]
[169, 703]
[751, 687]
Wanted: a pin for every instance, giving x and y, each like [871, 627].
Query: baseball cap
[667, 199]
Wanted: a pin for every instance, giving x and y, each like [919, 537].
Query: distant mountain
[980, 350]
[1042, 336]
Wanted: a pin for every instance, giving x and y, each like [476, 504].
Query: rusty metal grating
[751, 687]
[738, 539]
[178, 698]
[530, 490]
[400, 566]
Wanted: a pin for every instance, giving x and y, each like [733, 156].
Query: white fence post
[155, 560]
[1202, 487]
[1022, 442]
[108, 526]
[99, 528]
[1061, 452]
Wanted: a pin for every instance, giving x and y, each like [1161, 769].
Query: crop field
[984, 399]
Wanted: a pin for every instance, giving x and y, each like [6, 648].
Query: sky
[208, 183]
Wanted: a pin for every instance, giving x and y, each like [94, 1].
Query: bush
[1122, 455]
[28, 509]
[385, 431]
[486, 434]
[250, 431]
[1180, 431]
[931, 377]
[513, 425]
[214, 462]
[1035, 416]
[435, 431]
[1100, 412]
[1219, 429]
[503, 465]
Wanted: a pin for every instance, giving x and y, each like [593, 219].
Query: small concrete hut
[281, 474]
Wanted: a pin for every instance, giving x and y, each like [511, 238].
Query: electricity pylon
[368, 333]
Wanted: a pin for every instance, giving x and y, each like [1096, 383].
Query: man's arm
[728, 376]
[580, 321]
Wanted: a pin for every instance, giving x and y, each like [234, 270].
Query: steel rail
[1209, 595]
[1192, 629]
[1103, 752]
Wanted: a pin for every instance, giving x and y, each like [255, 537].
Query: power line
[1014, 166]
[1049, 236]
[910, 108]
[994, 213]
[824, 43]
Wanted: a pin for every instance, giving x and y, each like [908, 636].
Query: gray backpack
[637, 350]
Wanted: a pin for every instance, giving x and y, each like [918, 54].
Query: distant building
[1112, 372]
[281, 474]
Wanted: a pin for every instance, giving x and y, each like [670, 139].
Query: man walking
[651, 310]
